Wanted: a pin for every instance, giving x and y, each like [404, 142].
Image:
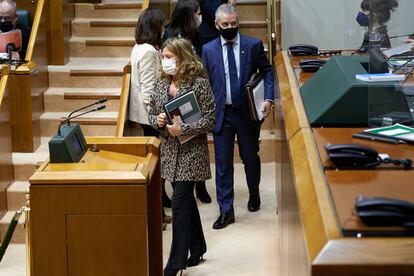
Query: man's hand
[15, 56]
[175, 129]
[161, 120]
[266, 108]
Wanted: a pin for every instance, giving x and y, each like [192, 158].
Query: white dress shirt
[236, 51]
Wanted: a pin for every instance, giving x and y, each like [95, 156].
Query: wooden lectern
[100, 216]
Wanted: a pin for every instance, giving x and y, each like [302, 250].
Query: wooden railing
[6, 164]
[27, 84]
[123, 103]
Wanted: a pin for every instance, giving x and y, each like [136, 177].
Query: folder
[186, 108]
[255, 96]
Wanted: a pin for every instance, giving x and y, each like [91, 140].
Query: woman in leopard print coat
[183, 164]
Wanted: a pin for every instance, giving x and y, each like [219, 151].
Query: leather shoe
[224, 220]
[254, 203]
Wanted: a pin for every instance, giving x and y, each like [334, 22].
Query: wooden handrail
[35, 29]
[3, 84]
[145, 4]
[126, 83]
[123, 102]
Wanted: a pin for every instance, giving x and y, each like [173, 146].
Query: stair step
[114, 5]
[110, 42]
[93, 27]
[67, 99]
[104, 73]
[252, 10]
[19, 235]
[25, 164]
[84, 10]
[88, 73]
[95, 124]
[63, 79]
[16, 195]
[101, 46]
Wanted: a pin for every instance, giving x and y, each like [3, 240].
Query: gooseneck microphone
[67, 120]
[10, 48]
[102, 100]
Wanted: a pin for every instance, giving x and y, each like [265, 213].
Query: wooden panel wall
[60, 14]
[6, 164]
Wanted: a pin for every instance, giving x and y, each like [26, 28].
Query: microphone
[10, 48]
[101, 100]
[67, 120]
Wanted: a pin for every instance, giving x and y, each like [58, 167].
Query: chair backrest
[24, 18]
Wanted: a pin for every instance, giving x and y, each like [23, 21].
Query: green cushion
[24, 18]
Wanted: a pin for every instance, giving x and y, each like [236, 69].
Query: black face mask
[229, 33]
[6, 26]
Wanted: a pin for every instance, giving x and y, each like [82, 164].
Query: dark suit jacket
[252, 58]
[207, 28]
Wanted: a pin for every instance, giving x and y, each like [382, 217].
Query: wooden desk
[101, 216]
[312, 242]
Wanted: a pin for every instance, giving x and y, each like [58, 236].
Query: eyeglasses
[7, 18]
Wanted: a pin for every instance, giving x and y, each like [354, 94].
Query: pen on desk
[378, 138]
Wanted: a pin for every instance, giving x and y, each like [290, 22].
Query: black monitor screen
[76, 144]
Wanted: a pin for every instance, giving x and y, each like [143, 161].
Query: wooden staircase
[100, 46]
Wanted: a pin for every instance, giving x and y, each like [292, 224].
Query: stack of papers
[380, 77]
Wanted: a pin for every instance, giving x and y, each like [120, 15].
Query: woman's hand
[175, 129]
[266, 108]
[161, 120]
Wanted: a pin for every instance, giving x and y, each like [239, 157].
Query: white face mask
[169, 66]
[199, 20]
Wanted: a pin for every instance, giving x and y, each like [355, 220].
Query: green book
[397, 131]
[184, 107]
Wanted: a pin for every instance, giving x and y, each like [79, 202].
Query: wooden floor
[248, 247]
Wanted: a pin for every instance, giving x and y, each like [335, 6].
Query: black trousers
[187, 229]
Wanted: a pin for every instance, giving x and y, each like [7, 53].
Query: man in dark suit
[9, 22]
[230, 61]
[207, 29]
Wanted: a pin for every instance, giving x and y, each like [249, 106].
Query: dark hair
[149, 27]
[183, 21]
[379, 9]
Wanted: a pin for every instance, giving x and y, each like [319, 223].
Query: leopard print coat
[189, 161]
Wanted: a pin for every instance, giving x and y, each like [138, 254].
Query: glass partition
[389, 42]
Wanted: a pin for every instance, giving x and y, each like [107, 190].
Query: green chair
[24, 18]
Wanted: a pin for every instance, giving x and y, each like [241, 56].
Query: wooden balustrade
[123, 103]
[27, 84]
[6, 164]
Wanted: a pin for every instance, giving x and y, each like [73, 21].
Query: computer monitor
[12, 38]
[69, 146]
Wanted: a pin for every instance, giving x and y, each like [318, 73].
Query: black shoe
[172, 271]
[224, 220]
[254, 203]
[201, 192]
[194, 260]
